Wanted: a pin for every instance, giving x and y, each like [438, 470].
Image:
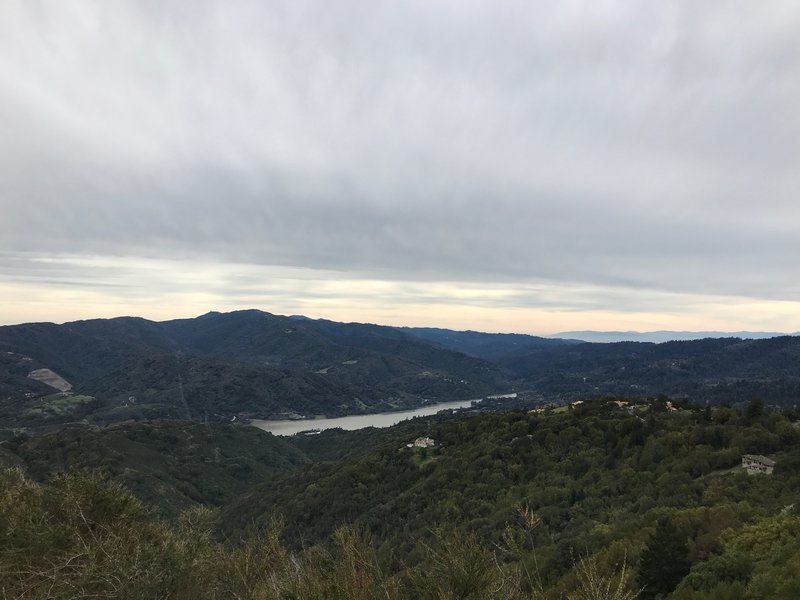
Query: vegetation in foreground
[592, 503]
[82, 536]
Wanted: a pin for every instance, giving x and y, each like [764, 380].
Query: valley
[542, 503]
[399, 300]
[301, 446]
[255, 365]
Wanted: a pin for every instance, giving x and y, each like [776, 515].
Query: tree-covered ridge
[253, 364]
[593, 502]
[597, 478]
[244, 364]
[715, 371]
[719, 369]
[497, 347]
[171, 465]
[82, 537]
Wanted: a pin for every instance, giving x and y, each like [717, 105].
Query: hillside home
[422, 442]
[756, 463]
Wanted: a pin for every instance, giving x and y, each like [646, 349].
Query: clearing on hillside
[51, 378]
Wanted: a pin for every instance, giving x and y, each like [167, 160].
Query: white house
[422, 442]
[756, 463]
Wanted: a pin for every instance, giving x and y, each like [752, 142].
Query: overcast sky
[508, 166]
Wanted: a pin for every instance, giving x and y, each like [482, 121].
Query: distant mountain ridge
[604, 337]
[253, 364]
[712, 368]
[221, 365]
[490, 346]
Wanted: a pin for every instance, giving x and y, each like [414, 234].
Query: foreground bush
[83, 537]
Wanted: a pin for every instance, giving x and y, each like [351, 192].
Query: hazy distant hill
[662, 336]
[491, 346]
[710, 368]
[245, 363]
[248, 364]
[714, 370]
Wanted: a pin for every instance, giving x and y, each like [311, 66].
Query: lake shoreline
[351, 422]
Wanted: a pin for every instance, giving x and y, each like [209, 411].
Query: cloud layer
[615, 146]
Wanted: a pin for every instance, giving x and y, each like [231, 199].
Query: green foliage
[596, 478]
[595, 583]
[83, 537]
[244, 363]
[171, 464]
[758, 560]
[755, 408]
[501, 508]
[664, 561]
[459, 567]
[62, 404]
[727, 568]
[715, 370]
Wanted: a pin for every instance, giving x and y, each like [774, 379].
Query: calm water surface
[360, 421]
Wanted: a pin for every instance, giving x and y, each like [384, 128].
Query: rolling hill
[217, 366]
[490, 346]
[724, 370]
[252, 364]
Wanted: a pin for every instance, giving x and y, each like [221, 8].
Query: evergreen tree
[754, 410]
[664, 561]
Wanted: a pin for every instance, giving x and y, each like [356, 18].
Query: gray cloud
[617, 144]
[136, 279]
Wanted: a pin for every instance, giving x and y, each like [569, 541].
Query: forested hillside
[718, 371]
[497, 347]
[243, 364]
[171, 465]
[597, 479]
[251, 364]
[637, 500]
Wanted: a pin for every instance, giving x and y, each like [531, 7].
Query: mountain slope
[714, 370]
[349, 353]
[245, 363]
[591, 478]
[173, 465]
[657, 337]
[561, 504]
[490, 346]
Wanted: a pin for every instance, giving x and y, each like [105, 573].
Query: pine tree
[664, 561]
[754, 410]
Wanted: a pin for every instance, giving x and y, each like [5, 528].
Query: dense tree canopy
[633, 499]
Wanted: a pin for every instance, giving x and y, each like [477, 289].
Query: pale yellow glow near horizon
[160, 290]
[86, 287]
[537, 321]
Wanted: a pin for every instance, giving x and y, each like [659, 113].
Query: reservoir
[360, 421]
